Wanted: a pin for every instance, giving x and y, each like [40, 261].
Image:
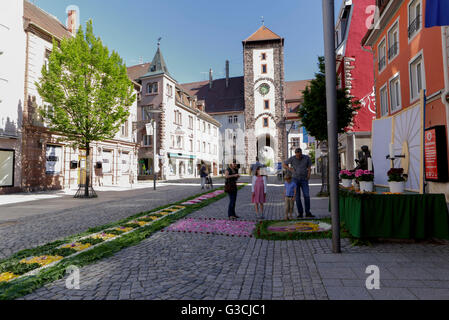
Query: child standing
[290, 195]
[259, 192]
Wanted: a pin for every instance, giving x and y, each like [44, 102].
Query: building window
[236, 119]
[381, 52]
[265, 122]
[107, 161]
[204, 147]
[191, 145]
[54, 160]
[152, 88]
[147, 140]
[264, 68]
[395, 94]
[191, 122]
[7, 168]
[46, 58]
[124, 129]
[208, 148]
[146, 114]
[414, 18]
[204, 127]
[169, 90]
[295, 142]
[230, 119]
[393, 41]
[264, 56]
[383, 101]
[417, 78]
[266, 104]
[208, 129]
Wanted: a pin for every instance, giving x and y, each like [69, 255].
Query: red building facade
[355, 73]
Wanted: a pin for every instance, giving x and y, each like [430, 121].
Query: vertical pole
[331, 97]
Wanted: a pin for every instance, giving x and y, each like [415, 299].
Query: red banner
[430, 152]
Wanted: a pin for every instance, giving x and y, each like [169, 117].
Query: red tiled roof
[294, 89]
[44, 20]
[219, 99]
[262, 34]
[135, 72]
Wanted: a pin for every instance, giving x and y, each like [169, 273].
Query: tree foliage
[313, 111]
[87, 92]
[87, 89]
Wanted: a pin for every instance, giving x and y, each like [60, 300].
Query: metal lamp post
[331, 97]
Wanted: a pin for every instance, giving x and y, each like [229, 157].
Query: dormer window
[264, 56]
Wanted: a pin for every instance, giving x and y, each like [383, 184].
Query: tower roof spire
[158, 65]
[263, 34]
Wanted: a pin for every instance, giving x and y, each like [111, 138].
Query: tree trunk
[86, 186]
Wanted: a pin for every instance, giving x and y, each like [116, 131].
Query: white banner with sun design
[404, 130]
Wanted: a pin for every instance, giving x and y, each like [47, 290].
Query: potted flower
[346, 178]
[396, 180]
[365, 179]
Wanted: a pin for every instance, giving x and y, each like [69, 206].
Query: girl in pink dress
[259, 192]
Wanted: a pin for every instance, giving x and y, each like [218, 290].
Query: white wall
[12, 75]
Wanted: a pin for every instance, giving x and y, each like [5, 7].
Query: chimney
[227, 73]
[210, 79]
[72, 21]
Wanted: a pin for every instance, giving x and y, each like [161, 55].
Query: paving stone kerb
[196, 266]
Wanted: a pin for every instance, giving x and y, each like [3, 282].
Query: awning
[180, 155]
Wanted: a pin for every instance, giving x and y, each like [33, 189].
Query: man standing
[203, 175]
[301, 167]
[256, 165]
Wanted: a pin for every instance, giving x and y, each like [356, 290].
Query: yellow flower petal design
[7, 276]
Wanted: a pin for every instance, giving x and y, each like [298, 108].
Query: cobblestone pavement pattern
[196, 266]
[58, 222]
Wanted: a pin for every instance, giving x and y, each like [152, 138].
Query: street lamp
[153, 127]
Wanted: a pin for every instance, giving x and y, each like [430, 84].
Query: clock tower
[263, 61]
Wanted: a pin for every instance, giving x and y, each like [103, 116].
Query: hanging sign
[435, 153]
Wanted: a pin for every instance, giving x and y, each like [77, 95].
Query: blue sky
[201, 34]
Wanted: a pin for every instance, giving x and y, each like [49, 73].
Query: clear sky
[201, 34]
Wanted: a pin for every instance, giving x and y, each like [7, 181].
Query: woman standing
[259, 192]
[232, 175]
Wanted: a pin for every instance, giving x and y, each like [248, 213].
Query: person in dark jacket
[232, 175]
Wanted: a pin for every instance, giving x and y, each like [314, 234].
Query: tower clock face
[264, 89]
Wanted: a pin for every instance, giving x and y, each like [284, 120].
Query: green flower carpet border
[30, 269]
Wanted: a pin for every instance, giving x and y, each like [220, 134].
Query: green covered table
[404, 216]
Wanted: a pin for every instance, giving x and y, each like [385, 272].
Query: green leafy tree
[313, 111]
[88, 92]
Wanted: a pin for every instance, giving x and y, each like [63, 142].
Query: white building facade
[12, 75]
[48, 162]
[185, 135]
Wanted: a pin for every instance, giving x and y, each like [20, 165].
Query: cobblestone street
[52, 219]
[197, 266]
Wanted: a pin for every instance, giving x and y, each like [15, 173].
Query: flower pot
[397, 186]
[366, 186]
[347, 183]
